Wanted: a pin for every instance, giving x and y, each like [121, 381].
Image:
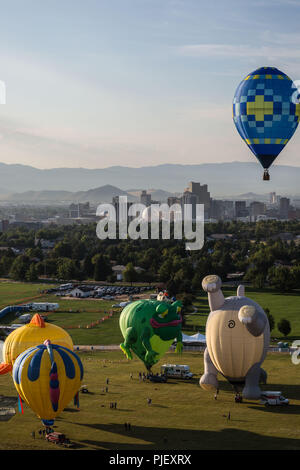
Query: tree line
[253, 249]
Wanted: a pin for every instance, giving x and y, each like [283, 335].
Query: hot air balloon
[266, 113]
[237, 338]
[47, 377]
[149, 328]
[32, 334]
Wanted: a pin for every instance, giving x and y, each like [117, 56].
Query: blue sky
[96, 83]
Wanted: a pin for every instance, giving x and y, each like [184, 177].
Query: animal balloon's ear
[211, 283]
[246, 314]
[240, 291]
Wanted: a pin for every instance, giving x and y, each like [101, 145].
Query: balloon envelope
[47, 382]
[149, 328]
[266, 112]
[32, 334]
[232, 349]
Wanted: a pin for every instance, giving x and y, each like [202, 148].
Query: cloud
[241, 51]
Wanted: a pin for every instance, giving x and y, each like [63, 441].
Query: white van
[273, 398]
[176, 371]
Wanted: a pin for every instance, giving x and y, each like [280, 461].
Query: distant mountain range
[223, 180]
[97, 195]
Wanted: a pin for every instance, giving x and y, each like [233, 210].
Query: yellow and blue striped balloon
[47, 377]
[266, 112]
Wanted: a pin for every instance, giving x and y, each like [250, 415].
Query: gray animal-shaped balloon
[237, 338]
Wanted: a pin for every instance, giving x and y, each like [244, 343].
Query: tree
[281, 278]
[19, 268]
[62, 249]
[78, 250]
[166, 270]
[270, 318]
[284, 327]
[32, 273]
[197, 282]
[256, 277]
[130, 274]
[102, 267]
[88, 267]
[172, 288]
[66, 269]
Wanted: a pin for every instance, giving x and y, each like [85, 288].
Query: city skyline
[136, 82]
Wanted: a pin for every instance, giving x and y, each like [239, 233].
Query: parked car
[58, 438]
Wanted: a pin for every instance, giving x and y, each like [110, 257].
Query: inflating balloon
[32, 334]
[237, 338]
[266, 113]
[149, 327]
[47, 377]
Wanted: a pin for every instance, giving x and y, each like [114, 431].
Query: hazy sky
[96, 83]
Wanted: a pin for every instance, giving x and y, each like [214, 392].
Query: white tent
[197, 338]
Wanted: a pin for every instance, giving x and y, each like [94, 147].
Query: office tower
[284, 207]
[145, 198]
[202, 195]
[241, 209]
[257, 208]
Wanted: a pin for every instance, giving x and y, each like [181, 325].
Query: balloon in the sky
[149, 328]
[266, 113]
[47, 377]
[32, 334]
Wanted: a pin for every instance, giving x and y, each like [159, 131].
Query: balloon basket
[266, 176]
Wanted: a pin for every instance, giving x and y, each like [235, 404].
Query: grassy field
[182, 415]
[280, 306]
[82, 312]
[72, 313]
[14, 293]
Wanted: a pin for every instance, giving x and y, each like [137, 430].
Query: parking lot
[105, 292]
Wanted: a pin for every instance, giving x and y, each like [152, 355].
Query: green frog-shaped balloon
[149, 327]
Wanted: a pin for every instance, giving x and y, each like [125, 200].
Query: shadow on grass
[288, 391]
[71, 410]
[292, 392]
[280, 409]
[158, 406]
[180, 439]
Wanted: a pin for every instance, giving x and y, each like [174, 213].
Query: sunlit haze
[136, 82]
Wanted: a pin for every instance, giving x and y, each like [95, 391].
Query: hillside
[223, 179]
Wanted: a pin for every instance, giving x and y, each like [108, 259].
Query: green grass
[280, 306]
[14, 293]
[71, 313]
[83, 312]
[182, 415]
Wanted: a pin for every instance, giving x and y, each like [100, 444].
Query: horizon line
[144, 166]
